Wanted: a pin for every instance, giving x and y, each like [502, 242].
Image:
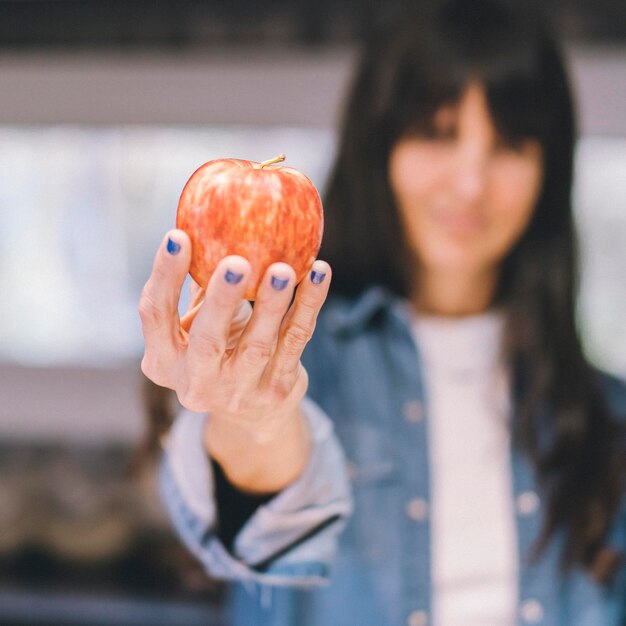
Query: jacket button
[531, 611]
[413, 412]
[417, 509]
[417, 618]
[527, 503]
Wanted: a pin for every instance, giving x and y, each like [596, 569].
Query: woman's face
[465, 196]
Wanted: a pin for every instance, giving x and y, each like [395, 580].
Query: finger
[196, 293]
[196, 298]
[187, 319]
[299, 323]
[208, 335]
[258, 341]
[158, 305]
[239, 322]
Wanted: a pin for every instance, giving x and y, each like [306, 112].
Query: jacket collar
[347, 316]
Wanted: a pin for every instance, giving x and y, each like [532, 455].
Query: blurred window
[83, 212]
[600, 203]
[84, 209]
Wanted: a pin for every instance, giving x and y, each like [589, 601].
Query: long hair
[406, 73]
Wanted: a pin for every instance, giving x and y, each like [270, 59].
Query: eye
[444, 133]
[517, 145]
[430, 130]
[441, 126]
[445, 124]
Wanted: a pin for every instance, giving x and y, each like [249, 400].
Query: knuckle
[308, 308]
[295, 338]
[207, 344]
[149, 311]
[237, 406]
[193, 400]
[284, 383]
[284, 370]
[151, 370]
[288, 373]
[277, 392]
[256, 352]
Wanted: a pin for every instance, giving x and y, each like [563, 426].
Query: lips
[459, 222]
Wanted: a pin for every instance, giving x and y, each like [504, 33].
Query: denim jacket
[365, 374]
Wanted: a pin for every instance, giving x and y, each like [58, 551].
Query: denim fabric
[365, 373]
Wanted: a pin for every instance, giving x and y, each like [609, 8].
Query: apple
[261, 211]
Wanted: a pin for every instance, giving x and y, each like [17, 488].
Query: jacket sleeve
[291, 539]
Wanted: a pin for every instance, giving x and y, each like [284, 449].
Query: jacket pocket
[370, 455]
[376, 485]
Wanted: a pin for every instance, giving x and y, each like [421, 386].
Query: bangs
[521, 101]
[477, 42]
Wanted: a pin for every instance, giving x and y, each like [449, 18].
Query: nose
[470, 173]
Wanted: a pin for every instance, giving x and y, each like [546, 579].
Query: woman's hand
[241, 365]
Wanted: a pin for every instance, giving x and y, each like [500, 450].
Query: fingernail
[232, 278]
[279, 283]
[317, 277]
[172, 247]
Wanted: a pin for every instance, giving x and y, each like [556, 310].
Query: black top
[239, 505]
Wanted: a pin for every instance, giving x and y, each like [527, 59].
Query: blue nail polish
[172, 246]
[317, 277]
[279, 283]
[232, 278]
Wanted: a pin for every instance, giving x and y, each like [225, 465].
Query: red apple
[261, 211]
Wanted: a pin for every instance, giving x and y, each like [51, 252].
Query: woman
[485, 455]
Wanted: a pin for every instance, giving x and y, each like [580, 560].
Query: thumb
[158, 306]
[169, 269]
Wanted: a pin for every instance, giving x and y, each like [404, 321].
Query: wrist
[260, 462]
[226, 432]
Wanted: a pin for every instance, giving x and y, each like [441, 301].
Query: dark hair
[406, 73]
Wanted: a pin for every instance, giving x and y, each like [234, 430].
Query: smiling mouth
[459, 223]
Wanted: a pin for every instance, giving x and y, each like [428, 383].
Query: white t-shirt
[474, 557]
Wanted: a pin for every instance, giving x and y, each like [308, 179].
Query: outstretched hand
[238, 363]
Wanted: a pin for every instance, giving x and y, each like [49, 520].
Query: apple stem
[279, 159]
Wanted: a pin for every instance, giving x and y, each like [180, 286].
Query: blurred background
[106, 108]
